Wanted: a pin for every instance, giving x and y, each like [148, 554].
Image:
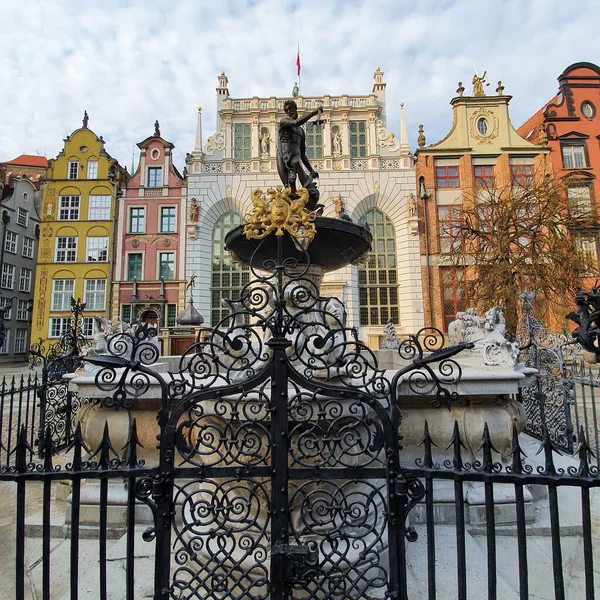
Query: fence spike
[488, 461]
[516, 452]
[21, 450]
[456, 443]
[427, 443]
[48, 449]
[583, 452]
[132, 443]
[78, 445]
[547, 447]
[106, 448]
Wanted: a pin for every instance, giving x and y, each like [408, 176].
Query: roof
[29, 160]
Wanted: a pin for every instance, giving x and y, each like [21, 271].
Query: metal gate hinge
[298, 563]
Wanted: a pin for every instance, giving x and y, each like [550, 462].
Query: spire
[132, 159]
[198, 145]
[404, 145]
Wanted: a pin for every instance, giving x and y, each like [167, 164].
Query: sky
[130, 62]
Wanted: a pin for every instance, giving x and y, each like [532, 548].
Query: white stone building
[358, 160]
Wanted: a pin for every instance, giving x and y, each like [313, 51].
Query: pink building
[149, 281]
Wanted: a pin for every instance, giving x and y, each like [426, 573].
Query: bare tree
[518, 237]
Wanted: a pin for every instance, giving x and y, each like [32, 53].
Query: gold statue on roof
[478, 83]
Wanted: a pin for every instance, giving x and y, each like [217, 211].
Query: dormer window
[154, 176]
[73, 169]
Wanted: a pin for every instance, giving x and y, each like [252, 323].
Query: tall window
[314, 140]
[167, 219]
[450, 221]
[126, 313]
[73, 169]
[92, 172]
[579, 200]
[4, 347]
[66, 249]
[522, 175]
[96, 249]
[453, 295]
[11, 241]
[166, 265]
[87, 327]
[446, 177]
[243, 143]
[8, 277]
[228, 277]
[20, 341]
[484, 176]
[4, 302]
[358, 139]
[137, 220]
[171, 315]
[378, 279]
[588, 245]
[58, 326]
[573, 156]
[28, 247]
[99, 208]
[22, 310]
[68, 208]
[154, 176]
[62, 292]
[25, 280]
[22, 217]
[94, 291]
[134, 266]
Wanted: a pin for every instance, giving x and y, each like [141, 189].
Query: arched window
[228, 277]
[378, 278]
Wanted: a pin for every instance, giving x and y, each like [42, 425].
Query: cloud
[129, 63]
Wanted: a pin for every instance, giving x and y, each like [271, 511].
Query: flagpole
[299, 73]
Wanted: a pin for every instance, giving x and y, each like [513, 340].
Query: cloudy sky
[131, 62]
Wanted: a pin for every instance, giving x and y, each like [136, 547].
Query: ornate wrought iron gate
[279, 468]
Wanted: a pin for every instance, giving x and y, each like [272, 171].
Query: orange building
[481, 150]
[32, 166]
[569, 124]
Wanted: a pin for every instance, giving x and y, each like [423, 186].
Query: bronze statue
[156, 129]
[291, 154]
[295, 90]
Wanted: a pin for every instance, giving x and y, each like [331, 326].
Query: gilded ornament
[421, 139]
[276, 212]
[542, 135]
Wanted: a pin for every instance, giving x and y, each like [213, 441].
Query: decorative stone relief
[212, 167]
[389, 163]
[358, 164]
[386, 138]
[391, 341]
[215, 143]
[243, 167]
[492, 126]
[487, 333]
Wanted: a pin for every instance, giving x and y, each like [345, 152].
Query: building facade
[75, 258]
[20, 210]
[32, 166]
[149, 280]
[481, 151]
[363, 168]
[569, 123]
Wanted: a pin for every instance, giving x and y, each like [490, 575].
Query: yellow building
[75, 257]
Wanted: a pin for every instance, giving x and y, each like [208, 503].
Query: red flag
[298, 61]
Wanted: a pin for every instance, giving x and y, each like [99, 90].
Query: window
[25, 280]
[62, 292]
[484, 176]
[588, 246]
[126, 313]
[314, 140]
[154, 176]
[4, 347]
[4, 302]
[22, 217]
[11, 241]
[482, 126]
[171, 315]
[8, 277]
[20, 341]
[166, 265]
[99, 208]
[137, 220]
[94, 292]
[522, 175]
[66, 249]
[453, 295]
[378, 278]
[22, 310]
[227, 277]
[579, 200]
[446, 177]
[73, 170]
[242, 145]
[167, 219]
[59, 326]
[97, 249]
[450, 222]
[134, 266]
[68, 208]
[87, 327]
[588, 110]
[28, 247]
[573, 156]
[92, 172]
[358, 139]
[485, 214]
